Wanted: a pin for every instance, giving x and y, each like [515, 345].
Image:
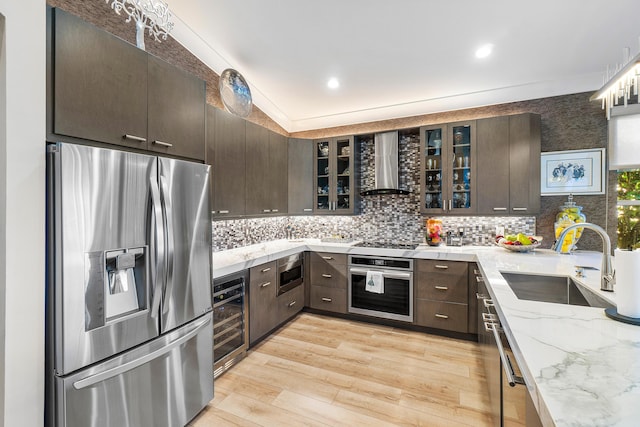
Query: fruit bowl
[519, 248]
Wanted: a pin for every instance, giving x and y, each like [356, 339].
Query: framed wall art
[579, 172]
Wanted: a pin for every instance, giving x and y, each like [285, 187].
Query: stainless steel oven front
[392, 298]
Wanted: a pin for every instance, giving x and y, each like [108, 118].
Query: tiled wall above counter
[375, 226]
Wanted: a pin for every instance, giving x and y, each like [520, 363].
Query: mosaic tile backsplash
[385, 218]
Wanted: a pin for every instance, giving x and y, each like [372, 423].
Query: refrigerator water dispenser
[124, 294]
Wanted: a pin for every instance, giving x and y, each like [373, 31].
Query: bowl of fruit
[518, 242]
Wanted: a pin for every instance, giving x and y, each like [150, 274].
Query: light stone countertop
[581, 368]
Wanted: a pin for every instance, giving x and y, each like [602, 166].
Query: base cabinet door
[328, 280]
[328, 299]
[290, 303]
[442, 295]
[263, 311]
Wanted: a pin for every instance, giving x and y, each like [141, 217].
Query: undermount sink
[554, 289]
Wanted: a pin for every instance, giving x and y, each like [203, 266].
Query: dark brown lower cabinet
[442, 295]
[263, 311]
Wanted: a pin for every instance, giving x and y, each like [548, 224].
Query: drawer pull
[481, 296]
[274, 210]
[163, 144]
[266, 210]
[223, 212]
[307, 210]
[479, 279]
[476, 272]
[291, 304]
[327, 276]
[264, 270]
[519, 209]
[134, 138]
[441, 267]
[326, 299]
[500, 209]
[265, 284]
[488, 303]
[328, 258]
[441, 316]
[441, 288]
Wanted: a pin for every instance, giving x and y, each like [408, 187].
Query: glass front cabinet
[334, 169]
[448, 168]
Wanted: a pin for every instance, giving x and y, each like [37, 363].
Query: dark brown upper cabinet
[104, 89]
[509, 165]
[176, 111]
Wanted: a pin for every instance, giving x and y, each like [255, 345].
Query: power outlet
[499, 230]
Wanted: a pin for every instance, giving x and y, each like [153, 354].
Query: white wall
[22, 211]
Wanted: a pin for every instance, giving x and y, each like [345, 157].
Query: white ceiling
[404, 57]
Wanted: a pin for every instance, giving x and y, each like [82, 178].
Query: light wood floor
[323, 371]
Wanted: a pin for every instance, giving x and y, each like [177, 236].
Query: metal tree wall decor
[153, 15]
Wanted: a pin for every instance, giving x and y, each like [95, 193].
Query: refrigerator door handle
[168, 210]
[159, 244]
[114, 372]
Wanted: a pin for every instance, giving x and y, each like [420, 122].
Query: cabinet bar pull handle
[479, 279]
[327, 257]
[307, 210]
[441, 288]
[264, 270]
[162, 143]
[476, 272]
[134, 138]
[328, 276]
[266, 210]
[274, 210]
[519, 209]
[223, 212]
[481, 296]
[500, 209]
[265, 284]
[442, 267]
[442, 316]
[326, 299]
[291, 304]
[488, 303]
[450, 204]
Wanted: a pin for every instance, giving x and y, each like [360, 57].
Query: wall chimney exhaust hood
[386, 165]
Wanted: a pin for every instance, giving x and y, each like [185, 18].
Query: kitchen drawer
[452, 268]
[328, 299]
[329, 258]
[290, 303]
[328, 275]
[442, 287]
[264, 273]
[441, 315]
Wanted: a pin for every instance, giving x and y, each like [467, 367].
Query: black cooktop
[387, 245]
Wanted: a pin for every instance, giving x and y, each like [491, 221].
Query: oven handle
[385, 273]
[512, 378]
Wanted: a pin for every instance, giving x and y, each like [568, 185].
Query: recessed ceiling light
[333, 83]
[484, 50]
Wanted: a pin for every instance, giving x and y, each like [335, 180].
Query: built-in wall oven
[290, 273]
[381, 287]
[230, 332]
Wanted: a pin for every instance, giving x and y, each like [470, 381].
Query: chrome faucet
[607, 275]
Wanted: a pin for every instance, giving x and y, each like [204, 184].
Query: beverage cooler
[230, 332]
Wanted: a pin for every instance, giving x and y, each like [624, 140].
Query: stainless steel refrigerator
[129, 323]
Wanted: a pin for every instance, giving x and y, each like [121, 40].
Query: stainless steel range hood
[386, 165]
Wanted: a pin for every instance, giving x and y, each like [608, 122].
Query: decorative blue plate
[235, 93]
